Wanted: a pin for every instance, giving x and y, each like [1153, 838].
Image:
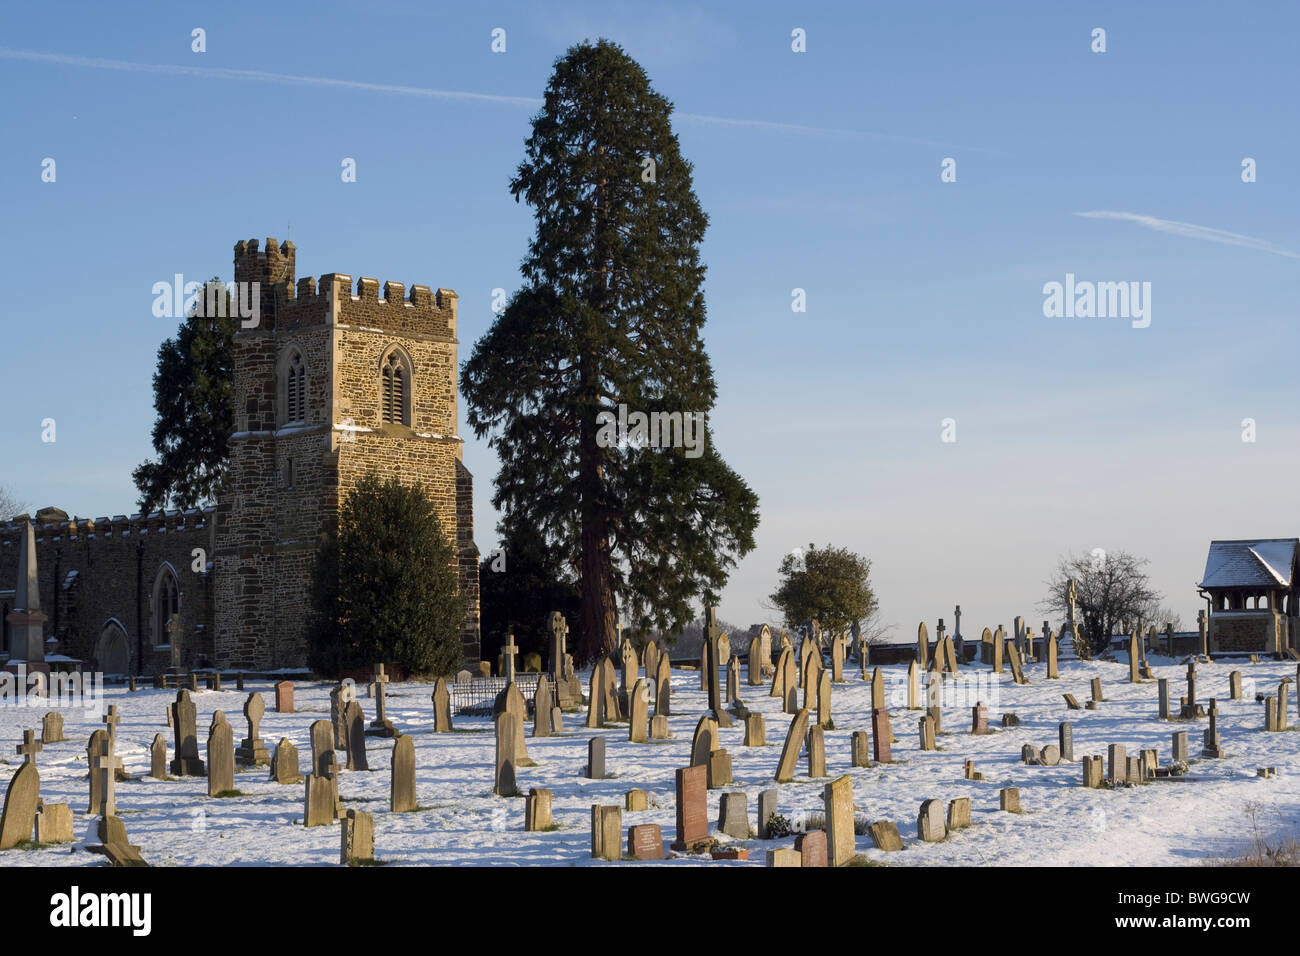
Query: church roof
[1262, 562]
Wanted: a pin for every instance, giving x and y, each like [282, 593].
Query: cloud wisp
[1190, 230]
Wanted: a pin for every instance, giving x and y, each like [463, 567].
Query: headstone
[733, 679]
[859, 752]
[103, 775]
[838, 800]
[1270, 713]
[927, 732]
[1009, 799]
[504, 783]
[816, 752]
[794, 740]
[595, 759]
[284, 762]
[1234, 685]
[52, 728]
[824, 700]
[930, 826]
[766, 810]
[252, 750]
[1133, 771]
[321, 806]
[1017, 669]
[881, 735]
[284, 697]
[810, 674]
[1117, 759]
[884, 836]
[1071, 701]
[511, 701]
[812, 848]
[755, 662]
[837, 659]
[537, 809]
[1096, 690]
[54, 824]
[356, 721]
[791, 685]
[783, 857]
[692, 808]
[339, 698]
[663, 686]
[441, 707]
[358, 838]
[158, 758]
[1049, 643]
[401, 789]
[733, 815]
[596, 698]
[959, 813]
[21, 800]
[645, 842]
[913, 686]
[979, 718]
[755, 731]
[922, 646]
[1180, 747]
[639, 712]
[999, 641]
[659, 727]
[1133, 677]
[1049, 756]
[877, 689]
[719, 769]
[704, 741]
[1213, 746]
[186, 763]
[635, 800]
[1163, 697]
[1065, 737]
[221, 759]
[542, 706]
[1092, 770]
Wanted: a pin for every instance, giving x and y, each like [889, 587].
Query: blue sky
[819, 170]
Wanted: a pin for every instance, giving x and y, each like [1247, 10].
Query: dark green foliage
[384, 586]
[192, 389]
[830, 585]
[611, 313]
[518, 589]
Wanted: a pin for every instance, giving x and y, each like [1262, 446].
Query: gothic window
[293, 389]
[395, 389]
[166, 602]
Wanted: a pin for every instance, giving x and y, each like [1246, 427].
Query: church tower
[330, 382]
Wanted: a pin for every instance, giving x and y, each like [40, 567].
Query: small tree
[831, 585]
[1112, 589]
[384, 586]
[520, 584]
[10, 505]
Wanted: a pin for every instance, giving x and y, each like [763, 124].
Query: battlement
[158, 522]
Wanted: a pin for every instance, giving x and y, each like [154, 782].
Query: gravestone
[511, 701]
[606, 832]
[766, 810]
[284, 762]
[659, 727]
[1117, 758]
[537, 809]
[1234, 685]
[999, 647]
[1049, 756]
[922, 646]
[838, 800]
[645, 841]
[824, 700]
[596, 698]
[321, 804]
[812, 848]
[837, 658]
[913, 686]
[284, 697]
[794, 740]
[791, 685]
[927, 732]
[959, 813]
[881, 735]
[1065, 738]
[692, 808]
[719, 769]
[704, 741]
[1049, 643]
[339, 698]
[884, 836]
[650, 662]
[930, 826]
[979, 718]
[1270, 713]
[441, 707]
[1096, 690]
[252, 750]
[221, 759]
[1092, 771]
[1009, 799]
[186, 763]
[401, 790]
[1133, 677]
[358, 838]
[1180, 747]
[54, 824]
[542, 706]
[636, 800]
[733, 815]
[1163, 699]
[755, 670]
[859, 752]
[52, 728]
[733, 679]
[103, 775]
[877, 689]
[507, 727]
[639, 712]
[595, 769]
[356, 737]
[21, 800]
[809, 675]
[158, 758]
[816, 752]
[1017, 669]
[1071, 701]
[755, 731]
[1213, 746]
[663, 686]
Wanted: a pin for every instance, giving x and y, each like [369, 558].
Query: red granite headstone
[881, 735]
[284, 697]
[732, 854]
[645, 842]
[812, 847]
[692, 807]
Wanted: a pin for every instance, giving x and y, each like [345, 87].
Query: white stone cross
[111, 720]
[105, 765]
[509, 651]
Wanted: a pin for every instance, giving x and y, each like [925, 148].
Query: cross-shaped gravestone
[104, 767]
[559, 630]
[711, 635]
[381, 694]
[1200, 626]
[174, 639]
[111, 720]
[508, 654]
[30, 746]
[254, 709]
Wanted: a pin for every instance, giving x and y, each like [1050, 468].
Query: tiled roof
[1265, 562]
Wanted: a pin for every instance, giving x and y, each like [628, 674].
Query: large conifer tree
[610, 314]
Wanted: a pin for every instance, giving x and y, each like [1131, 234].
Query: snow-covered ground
[1187, 820]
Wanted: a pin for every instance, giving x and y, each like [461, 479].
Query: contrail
[1190, 230]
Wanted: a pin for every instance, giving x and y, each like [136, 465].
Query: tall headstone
[930, 827]
[881, 735]
[284, 697]
[381, 726]
[504, 784]
[1133, 677]
[158, 758]
[837, 659]
[542, 705]
[252, 750]
[1049, 646]
[999, 640]
[52, 728]
[356, 721]
[595, 759]
[186, 763]
[639, 711]
[755, 662]
[838, 800]
[221, 759]
[284, 763]
[401, 791]
[663, 686]
[1065, 736]
[441, 707]
[794, 740]
[26, 622]
[922, 646]
[824, 700]
[537, 809]
[816, 745]
[358, 837]
[21, 801]
[692, 808]
[913, 686]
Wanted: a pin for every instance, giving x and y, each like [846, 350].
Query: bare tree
[1112, 588]
[10, 505]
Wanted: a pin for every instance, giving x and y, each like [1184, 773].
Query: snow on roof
[1263, 562]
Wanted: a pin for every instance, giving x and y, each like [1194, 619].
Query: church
[332, 381]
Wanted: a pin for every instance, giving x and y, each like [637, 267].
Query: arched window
[293, 389]
[166, 602]
[395, 389]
